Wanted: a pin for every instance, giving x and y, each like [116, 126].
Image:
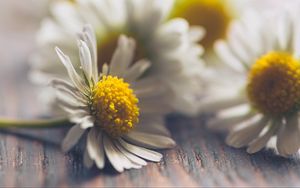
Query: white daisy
[213, 15]
[121, 114]
[216, 15]
[171, 46]
[258, 97]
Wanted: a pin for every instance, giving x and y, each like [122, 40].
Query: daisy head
[260, 98]
[163, 42]
[120, 116]
[213, 15]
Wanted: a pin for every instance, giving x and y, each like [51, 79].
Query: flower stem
[42, 123]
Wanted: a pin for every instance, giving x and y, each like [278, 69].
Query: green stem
[42, 123]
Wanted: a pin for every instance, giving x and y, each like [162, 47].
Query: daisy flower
[258, 96]
[121, 114]
[213, 15]
[216, 15]
[171, 46]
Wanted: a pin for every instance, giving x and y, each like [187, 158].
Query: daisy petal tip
[87, 28]
[58, 51]
[172, 143]
[119, 170]
[64, 148]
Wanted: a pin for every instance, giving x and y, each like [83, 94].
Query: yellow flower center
[213, 15]
[115, 106]
[108, 44]
[274, 84]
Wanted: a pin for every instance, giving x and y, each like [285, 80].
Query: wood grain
[33, 157]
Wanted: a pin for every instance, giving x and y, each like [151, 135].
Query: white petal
[78, 116]
[150, 140]
[116, 158]
[122, 56]
[77, 81]
[153, 125]
[105, 69]
[227, 123]
[227, 57]
[196, 33]
[222, 103]
[87, 161]
[170, 36]
[72, 137]
[136, 70]
[69, 103]
[62, 83]
[130, 156]
[90, 38]
[65, 93]
[286, 32]
[85, 59]
[87, 122]
[251, 129]
[260, 142]
[142, 152]
[95, 147]
[288, 138]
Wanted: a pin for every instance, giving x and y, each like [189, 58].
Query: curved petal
[141, 152]
[72, 137]
[153, 125]
[260, 142]
[251, 129]
[150, 140]
[222, 103]
[85, 59]
[227, 119]
[122, 56]
[288, 141]
[87, 161]
[89, 37]
[95, 147]
[133, 158]
[87, 122]
[117, 158]
[136, 70]
[224, 52]
[77, 81]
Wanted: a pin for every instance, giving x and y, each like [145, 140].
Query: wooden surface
[33, 158]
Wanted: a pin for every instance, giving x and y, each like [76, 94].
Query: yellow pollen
[213, 15]
[115, 106]
[274, 84]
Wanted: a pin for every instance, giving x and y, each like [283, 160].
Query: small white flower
[215, 16]
[171, 46]
[259, 96]
[121, 114]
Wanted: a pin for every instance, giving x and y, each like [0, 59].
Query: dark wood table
[33, 158]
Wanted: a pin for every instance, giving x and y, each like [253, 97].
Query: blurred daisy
[121, 115]
[260, 96]
[171, 46]
[216, 15]
[213, 15]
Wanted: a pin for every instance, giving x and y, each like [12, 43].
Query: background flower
[171, 46]
[258, 98]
